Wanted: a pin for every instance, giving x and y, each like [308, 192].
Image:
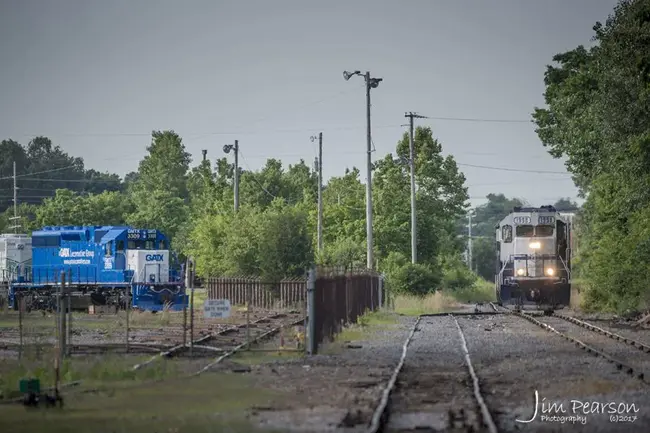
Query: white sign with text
[216, 308]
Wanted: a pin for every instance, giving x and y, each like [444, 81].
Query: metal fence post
[311, 310]
[68, 327]
[187, 285]
[380, 287]
[191, 307]
[249, 296]
[127, 308]
[21, 308]
[62, 314]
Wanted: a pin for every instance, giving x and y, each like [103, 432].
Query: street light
[227, 148]
[371, 83]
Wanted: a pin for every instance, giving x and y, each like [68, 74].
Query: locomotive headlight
[520, 272]
[535, 245]
[550, 272]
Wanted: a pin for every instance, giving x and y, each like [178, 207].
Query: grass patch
[480, 291]
[214, 402]
[443, 301]
[92, 370]
[256, 358]
[438, 302]
[360, 331]
[377, 318]
[200, 295]
[578, 289]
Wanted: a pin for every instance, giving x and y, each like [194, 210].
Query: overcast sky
[98, 76]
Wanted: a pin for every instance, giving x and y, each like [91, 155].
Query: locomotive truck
[102, 264]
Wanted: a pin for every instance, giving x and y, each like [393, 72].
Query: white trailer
[15, 256]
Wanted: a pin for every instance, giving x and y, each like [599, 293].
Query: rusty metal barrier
[341, 296]
[289, 293]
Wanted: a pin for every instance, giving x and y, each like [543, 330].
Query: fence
[288, 293]
[340, 297]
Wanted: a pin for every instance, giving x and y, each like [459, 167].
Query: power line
[513, 169]
[254, 178]
[267, 131]
[468, 119]
[39, 172]
[40, 179]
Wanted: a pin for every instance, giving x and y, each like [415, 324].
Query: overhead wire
[39, 172]
[277, 130]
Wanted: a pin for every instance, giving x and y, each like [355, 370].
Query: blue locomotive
[102, 262]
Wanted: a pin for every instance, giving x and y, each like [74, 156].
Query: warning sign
[216, 308]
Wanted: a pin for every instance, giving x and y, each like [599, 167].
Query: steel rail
[629, 341]
[157, 382]
[485, 412]
[464, 313]
[380, 416]
[620, 365]
[203, 339]
[244, 344]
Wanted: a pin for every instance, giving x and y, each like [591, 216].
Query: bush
[414, 279]
[456, 275]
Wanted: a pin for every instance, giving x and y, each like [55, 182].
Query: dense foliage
[598, 117]
[274, 232]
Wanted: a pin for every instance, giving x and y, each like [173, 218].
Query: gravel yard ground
[338, 389]
[515, 358]
[156, 330]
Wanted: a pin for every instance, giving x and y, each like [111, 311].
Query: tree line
[273, 234]
[598, 118]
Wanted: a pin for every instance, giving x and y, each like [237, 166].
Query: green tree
[597, 116]
[160, 193]
[485, 218]
[441, 195]
[69, 208]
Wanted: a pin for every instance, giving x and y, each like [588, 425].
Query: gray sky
[98, 76]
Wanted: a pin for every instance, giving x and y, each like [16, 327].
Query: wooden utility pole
[319, 169]
[414, 248]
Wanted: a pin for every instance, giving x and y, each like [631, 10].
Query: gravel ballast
[515, 358]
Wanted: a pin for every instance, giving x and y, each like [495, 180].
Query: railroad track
[606, 344]
[229, 340]
[272, 325]
[407, 403]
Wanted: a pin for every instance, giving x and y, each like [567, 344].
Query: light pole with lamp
[371, 83]
[227, 148]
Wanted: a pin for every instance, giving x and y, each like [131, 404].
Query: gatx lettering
[154, 257]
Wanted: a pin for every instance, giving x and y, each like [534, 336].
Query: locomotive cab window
[109, 249]
[148, 245]
[163, 245]
[120, 246]
[525, 231]
[506, 233]
[544, 231]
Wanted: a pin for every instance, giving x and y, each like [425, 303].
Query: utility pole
[205, 153]
[414, 238]
[371, 83]
[15, 217]
[319, 167]
[469, 241]
[227, 148]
